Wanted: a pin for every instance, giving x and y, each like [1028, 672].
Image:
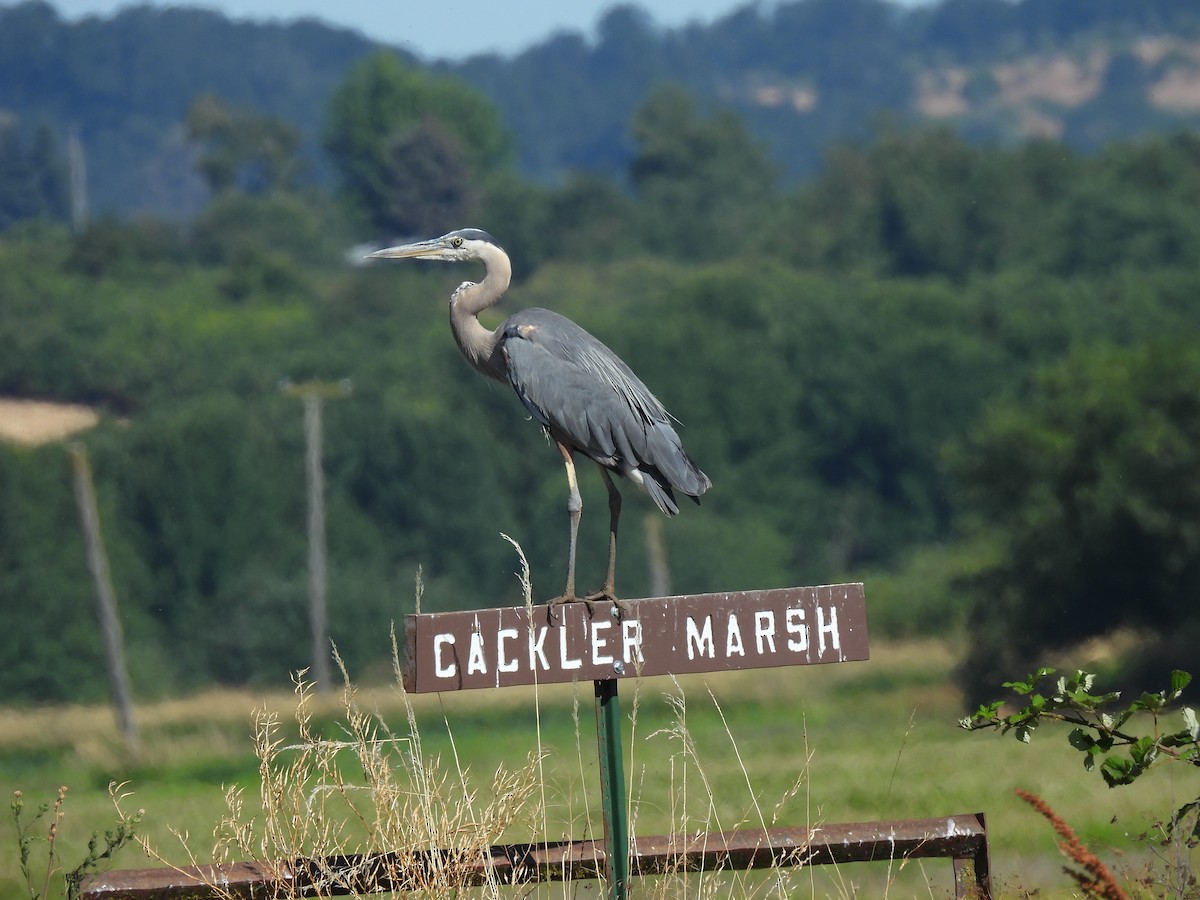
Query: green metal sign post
[612, 788]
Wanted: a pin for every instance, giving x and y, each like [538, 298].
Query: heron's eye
[457, 242]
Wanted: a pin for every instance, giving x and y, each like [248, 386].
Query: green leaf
[1179, 680]
[1082, 741]
[1143, 751]
[988, 713]
[1083, 700]
[1026, 687]
[1153, 702]
[1118, 770]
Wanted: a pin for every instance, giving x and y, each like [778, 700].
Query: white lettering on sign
[537, 649]
[827, 628]
[443, 669]
[741, 635]
[764, 631]
[631, 640]
[733, 638]
[698, 640]
[599, 642]
[476, 663]
[566, 662]
[769, 637]
[796, 626]
[505, 663]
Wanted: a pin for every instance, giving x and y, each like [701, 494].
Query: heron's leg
[574, 510]
[614, 517]
[609, 591]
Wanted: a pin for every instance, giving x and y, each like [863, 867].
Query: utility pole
[313, 395]
[77, 162]
[106, 598]
[656, 556]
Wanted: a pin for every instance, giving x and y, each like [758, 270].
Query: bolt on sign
[517, 645]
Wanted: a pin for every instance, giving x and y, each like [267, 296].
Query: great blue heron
[582, 393]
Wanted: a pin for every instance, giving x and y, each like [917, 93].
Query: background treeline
[800, 74]
[967, 375]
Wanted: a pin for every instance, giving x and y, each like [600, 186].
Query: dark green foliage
[33, 177]
[243, 151]
[1089, 483]
[50, 643]
[703, 183]
[219, 540]
[408, 147]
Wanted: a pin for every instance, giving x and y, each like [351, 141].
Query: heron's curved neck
[478, 344]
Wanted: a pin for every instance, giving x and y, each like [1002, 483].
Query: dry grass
[374, 768]
[792, 747]
[373, 789]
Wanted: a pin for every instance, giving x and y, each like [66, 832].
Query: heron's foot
[599, 603]
[555, 602]
[607, 603]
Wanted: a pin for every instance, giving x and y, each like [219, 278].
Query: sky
[440, 29]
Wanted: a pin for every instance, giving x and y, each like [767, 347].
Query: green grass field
[798, 746]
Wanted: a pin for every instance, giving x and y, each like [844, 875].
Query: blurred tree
[265, 242]
[387, 114]
[33, 179]
[106, 247]
[1133, 205]
[244, 151]
[917, 203]
[49, 641]
[1090, 489]
[910, 204]
[259, 221]
[703, 183]
[212, 490]
[428, 185]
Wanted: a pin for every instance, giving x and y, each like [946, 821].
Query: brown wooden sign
[663, 636]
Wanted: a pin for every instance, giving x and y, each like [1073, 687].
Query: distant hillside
[803, 74]
[125, 83]
[811, 72]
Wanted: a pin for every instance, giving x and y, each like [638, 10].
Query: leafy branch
[1106, 733]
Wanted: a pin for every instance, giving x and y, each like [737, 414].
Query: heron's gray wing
[590, 399]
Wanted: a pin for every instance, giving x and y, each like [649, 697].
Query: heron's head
[458, 246]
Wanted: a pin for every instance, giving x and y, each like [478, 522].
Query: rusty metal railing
[962, 838]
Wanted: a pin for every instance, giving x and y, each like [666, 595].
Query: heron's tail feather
[672, 464]
[661, 494]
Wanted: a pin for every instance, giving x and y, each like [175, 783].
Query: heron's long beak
[434, 249]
